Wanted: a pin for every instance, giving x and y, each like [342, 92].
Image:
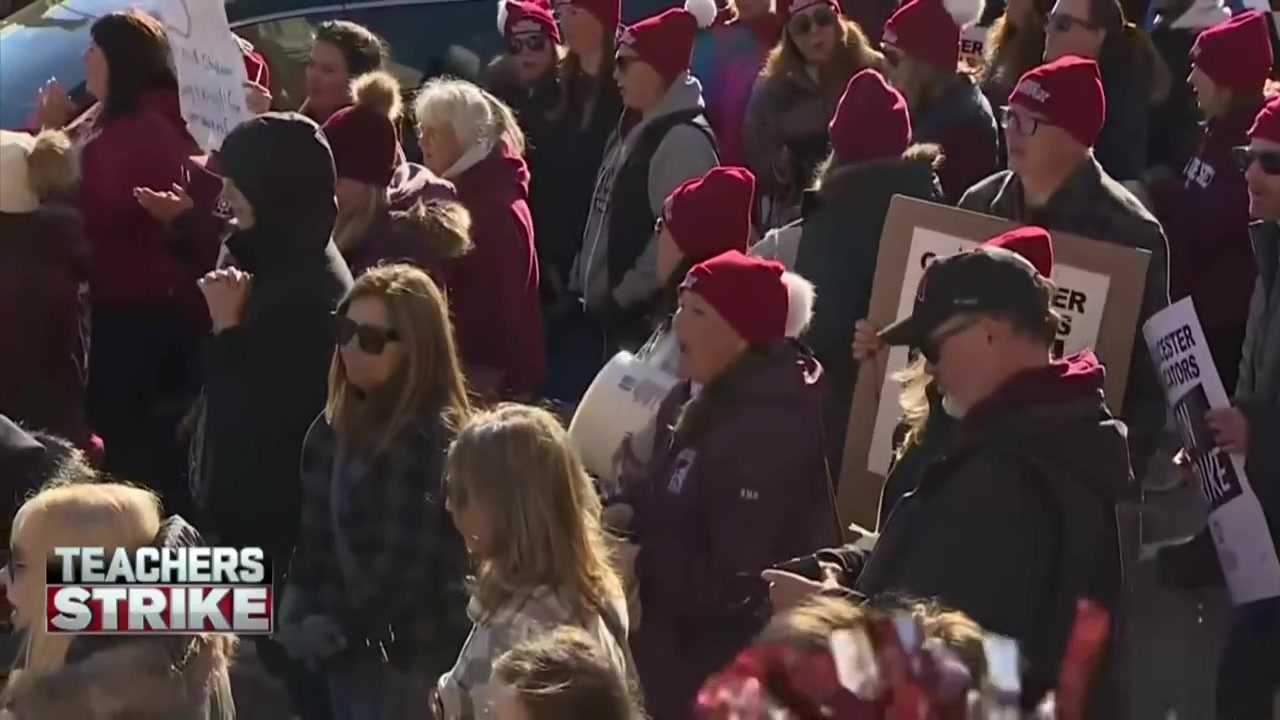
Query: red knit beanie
[787, 8]
[925, 30]
[1266, 126]
[871, 121]
[523, 18]
[664, 41]
[748, 292]
[1029, 241]
[1236, 54]
[363, 136]
[1067, 93]
[607, 12]
[711, 214]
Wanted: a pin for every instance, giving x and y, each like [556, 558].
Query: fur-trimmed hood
[168, 678]
[846, 183]
[426, 206]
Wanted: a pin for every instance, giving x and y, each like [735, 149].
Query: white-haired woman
[472, 139]
[738, 478]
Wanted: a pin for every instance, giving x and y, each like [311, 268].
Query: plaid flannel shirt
[412, 562]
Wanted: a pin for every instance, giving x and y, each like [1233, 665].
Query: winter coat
[377, 551]
[44, 271]
[962, 123]
[1175, 133]
[134, 259]
[835, 247]
[789, 110]
[1130, 75]
[726, 60]
[493, 290]
[1018, 520]
[423, 225]
[1205, 213]
[266, 378]
[1258, 389]
[469, 690]
[725, 496]
[685, 152]
[931, 442]
[1093, 205]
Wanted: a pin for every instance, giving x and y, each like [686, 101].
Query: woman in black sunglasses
[784, 133]
[375, 589]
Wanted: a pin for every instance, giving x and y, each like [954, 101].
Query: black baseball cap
[983, 281]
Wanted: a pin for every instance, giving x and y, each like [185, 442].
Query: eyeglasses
[1062, 22]
[931, 347]
[532, 43]
[370, 339]
[1268, 160]
[802, 25]
[1018, 122]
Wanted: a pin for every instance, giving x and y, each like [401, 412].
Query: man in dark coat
[268, 359]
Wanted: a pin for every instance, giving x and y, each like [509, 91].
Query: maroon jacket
[424, 225]
[1205, 215]
[134, 259]
[748, 491]
[493, 290]
[44, 263]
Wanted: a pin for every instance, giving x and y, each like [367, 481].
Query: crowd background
[334, 336]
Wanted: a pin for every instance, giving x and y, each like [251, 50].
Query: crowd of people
[360, 352]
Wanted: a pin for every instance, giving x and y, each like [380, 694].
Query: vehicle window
[454, 37]
[286, 45]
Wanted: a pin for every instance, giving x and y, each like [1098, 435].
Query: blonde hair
[516, 462]
[913, 396]
[108, 515]
[430, 376]
[352, 224]
[474, 115]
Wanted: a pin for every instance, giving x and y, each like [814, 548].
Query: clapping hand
[225, 292]
[54, 107]
[166, 205]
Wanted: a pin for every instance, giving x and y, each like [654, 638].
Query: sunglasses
[1018, 122]
[1268, 160]
[804, 24]
[1062, 22]
[932, 346]
[371, 340]
[532, 43]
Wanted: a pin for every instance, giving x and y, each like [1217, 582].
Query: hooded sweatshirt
[266, 378]
[1018, 520]
[686, 152]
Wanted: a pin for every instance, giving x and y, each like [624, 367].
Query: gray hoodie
[683, 154]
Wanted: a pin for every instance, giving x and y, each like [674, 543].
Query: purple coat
[718, 506]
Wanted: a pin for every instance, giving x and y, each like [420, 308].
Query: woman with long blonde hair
[65, 676]
[531, 520]
[375, 594]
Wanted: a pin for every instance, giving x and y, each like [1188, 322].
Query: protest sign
[973, 40]
[211, 74]
[1098, 294]
[1192, 385]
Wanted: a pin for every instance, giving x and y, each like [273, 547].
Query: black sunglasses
[370, 339]
[1268, 160]
[805, 24]
[532, 43]
[1062, 22]
[932, 345]
[1019, 123]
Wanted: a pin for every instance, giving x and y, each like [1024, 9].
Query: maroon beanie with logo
[711, 214]
[1067, 93]
[925, 30]
[1236, 54]
[519, 17]
[748, 292]
[664, 41]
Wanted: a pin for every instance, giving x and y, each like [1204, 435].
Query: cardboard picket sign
[1099, 295]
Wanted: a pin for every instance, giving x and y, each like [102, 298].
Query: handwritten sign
[211, 74]
[1192, 385]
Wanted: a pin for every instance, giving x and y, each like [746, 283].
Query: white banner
[1080, 298]
[211, 74]
[1236, 521]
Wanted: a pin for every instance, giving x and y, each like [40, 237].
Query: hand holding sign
[1230, 429]
[866, 340]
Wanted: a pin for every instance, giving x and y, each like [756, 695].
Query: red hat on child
[1029, 241]
[516, 17]
[787, 8]
[711, 214]
[871, 121]
[362, 136]
[1266, 125]
[665, 41]
[607, 12]
[1236, 54]
[925, 30]
[1067, 93]
[748, 292]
